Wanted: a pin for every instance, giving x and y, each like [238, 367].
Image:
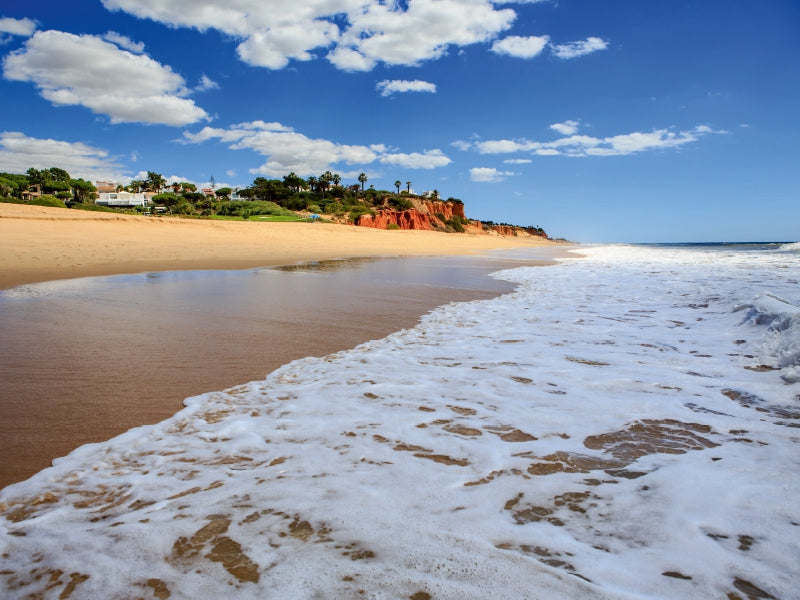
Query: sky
[615, 121]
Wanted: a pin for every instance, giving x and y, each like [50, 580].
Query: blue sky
[624, 120]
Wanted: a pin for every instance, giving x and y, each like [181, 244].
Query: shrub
[92, 207]
[400, 203]
[455, 224]
[48, 200]
[392, 226]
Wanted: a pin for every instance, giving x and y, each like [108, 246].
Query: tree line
[323, 194]
[53, 182]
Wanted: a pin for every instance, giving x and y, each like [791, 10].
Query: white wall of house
[122, 199]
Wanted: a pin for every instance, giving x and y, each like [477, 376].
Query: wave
[780, 320]
[792, 247]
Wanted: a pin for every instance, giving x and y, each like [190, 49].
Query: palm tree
[363, 179]
[336, 179]
[408, 186]
[155, 181]
[312, 183]
[397, 185]
[325, 181]
[136, 185]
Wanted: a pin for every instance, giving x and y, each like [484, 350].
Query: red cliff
[433, 214]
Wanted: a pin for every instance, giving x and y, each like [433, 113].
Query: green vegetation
[93, 207]
[291, 198]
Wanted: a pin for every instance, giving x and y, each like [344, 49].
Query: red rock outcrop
[404, 219]
[432, 214]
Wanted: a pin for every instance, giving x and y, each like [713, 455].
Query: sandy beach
[87, 359]
[42, 244]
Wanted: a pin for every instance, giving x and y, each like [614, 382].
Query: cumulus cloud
[21, 27]
[517, 161]
[19, 152]
[565, 128]
[124, 41]
[430, 159]
[387, 87]
[584, 145]
[88, 71]
[521, 47]
[287, 150]
[356, 34]
[488, 174]
[581, 48]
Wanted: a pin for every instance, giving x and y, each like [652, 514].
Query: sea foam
[623, 425]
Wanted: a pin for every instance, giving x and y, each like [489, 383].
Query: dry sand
[42, 244]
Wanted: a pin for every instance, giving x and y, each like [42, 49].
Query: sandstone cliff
[437, 215]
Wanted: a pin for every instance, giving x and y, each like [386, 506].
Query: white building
[121, 199]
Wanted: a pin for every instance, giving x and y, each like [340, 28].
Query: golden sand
[41, 243]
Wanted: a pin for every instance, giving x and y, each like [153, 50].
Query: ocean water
[622, 425]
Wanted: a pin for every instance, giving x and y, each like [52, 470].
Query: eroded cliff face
[404, 219]
[425, 214]
[431, 215]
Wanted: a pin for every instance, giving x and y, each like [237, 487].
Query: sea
[624, 424]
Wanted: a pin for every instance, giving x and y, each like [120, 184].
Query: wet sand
[87, 359]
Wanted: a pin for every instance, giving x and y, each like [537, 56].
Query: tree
[83, 190]
[6, 187]
[188, 187]
[176, 187]
[57, 174]
[51, 186]
[324, 181]
[34, 176]
[312, 183]
[336, 179]
[397, 185]
[155, 181]
[408, 186]
[362, 179]
[267, 189]
[169, 200]
[136, 185]
[293, 181]
[224, 193]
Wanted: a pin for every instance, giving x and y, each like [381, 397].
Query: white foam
[409, 464]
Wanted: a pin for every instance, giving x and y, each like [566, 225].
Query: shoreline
[96, 357]
[43, 244]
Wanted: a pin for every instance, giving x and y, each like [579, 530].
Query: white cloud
[19, 152]
[206, 83]
[430, 159]
[584, 145]
[21, 27]
[565, 128]
[521, 47]
[124, 42]
[517, 161]
[462, 145]
[287, 150]
[88, 71]
[488, 174]
[505, 146]
[581, 48]
[387, 87]
[355, 34]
